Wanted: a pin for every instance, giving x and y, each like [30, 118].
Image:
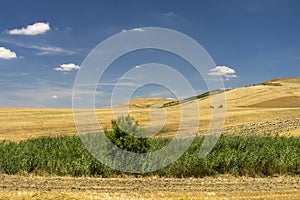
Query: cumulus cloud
[7, 54]
[223, 71]
[33, 29]
[67, 67]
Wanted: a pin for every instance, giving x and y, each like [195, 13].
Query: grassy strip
[200, 96]
[237, 155]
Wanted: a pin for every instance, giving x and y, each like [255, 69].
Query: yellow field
[243, 106]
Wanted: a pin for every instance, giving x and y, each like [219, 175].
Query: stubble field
[222, 187]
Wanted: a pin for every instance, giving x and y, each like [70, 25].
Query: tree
[128, 135]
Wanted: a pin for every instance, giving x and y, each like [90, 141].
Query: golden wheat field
[260, 103]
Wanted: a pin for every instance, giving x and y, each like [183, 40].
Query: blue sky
[43, 43]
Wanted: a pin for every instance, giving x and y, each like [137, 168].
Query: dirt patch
[12, 187]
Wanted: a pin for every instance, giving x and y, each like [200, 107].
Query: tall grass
[236, 155]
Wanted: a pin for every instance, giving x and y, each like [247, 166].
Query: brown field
[221, 187]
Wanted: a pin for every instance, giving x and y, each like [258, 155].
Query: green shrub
[128, 135]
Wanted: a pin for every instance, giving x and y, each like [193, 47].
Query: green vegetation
[200, 96]
[237, 155]
[128, 135]
[269, 83]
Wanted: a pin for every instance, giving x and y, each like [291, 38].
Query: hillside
[272, 107]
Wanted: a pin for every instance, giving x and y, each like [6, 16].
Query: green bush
[128, 135]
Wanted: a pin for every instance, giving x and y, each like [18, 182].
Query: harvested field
[282, 102]
[23, 123]
[222, 187]
[248, 105]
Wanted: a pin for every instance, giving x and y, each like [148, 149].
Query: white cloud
[223, 71]
[44, 50]
[67, 67]
[7, 54]
[170, 14]
[33, 29]
[52, 50]
[128, 84]
[138, 29]
[134, 29]
[55, 96]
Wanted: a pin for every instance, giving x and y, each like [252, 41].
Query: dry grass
[25, 195]
[222, 187]
[281, 102]
[243, 105]
[288, 80]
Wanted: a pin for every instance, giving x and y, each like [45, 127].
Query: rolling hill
[272, 107]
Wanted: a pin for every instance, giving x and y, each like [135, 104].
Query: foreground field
[268, 160]
[222, 187]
